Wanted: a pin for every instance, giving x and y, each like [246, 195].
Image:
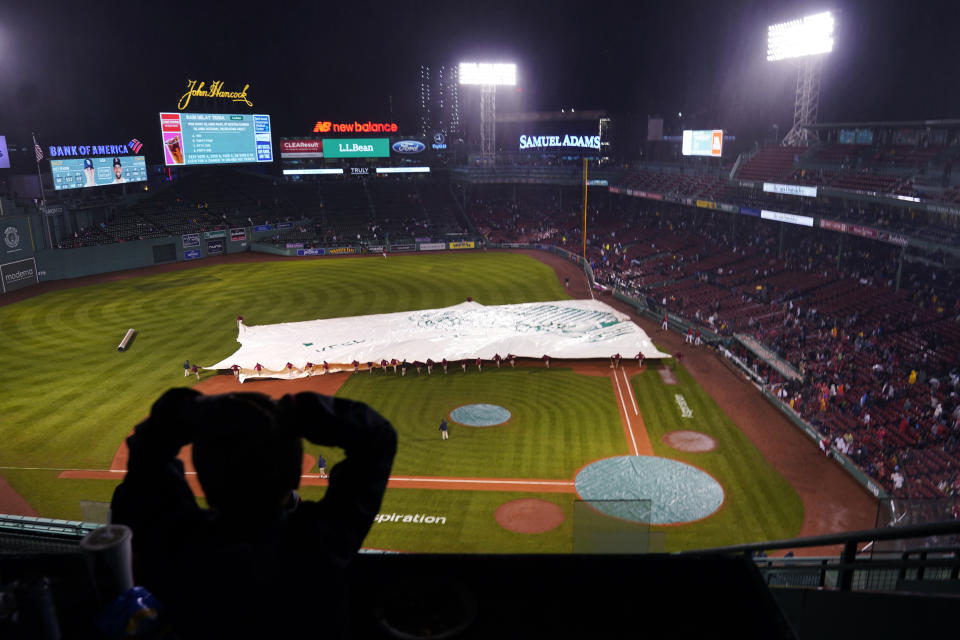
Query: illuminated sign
[403, 169]
[312, 172]
[325, 126]
[408, 146]
[215, 138]
[301, 148]
[790, 189]
[359, 171]
[82, 150]
[439, 141]
[703, 143]
[487, 73]
[356, 148]
[4, 157]
[76, 173]
[539, 142]
[195, 89]
[789, 218]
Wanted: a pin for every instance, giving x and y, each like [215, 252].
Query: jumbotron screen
[703, 143]
[78, 173]
[215, 138]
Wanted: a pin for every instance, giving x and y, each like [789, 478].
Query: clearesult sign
[301, 148]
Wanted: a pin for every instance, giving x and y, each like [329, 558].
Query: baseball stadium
[697, 372]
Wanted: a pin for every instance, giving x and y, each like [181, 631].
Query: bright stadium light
[488, 74]
[809, 36]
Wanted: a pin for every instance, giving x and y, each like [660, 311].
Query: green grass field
[68, 398]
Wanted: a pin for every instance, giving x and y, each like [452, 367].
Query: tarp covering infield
[563, 329]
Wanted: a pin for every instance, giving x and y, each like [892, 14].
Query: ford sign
[409, 146]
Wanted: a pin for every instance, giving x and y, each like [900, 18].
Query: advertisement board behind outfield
[340, 251]
[17, 275]
[191, 240]
[214, 246]
[192, 254]
[462, 245]
[433, 246]
[238, 234]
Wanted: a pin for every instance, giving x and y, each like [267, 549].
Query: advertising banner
[214, 246]
[564, 141]
[191, 240]
[703, 143]
[238, 235]
[215, 234]
[833, 225]
[285, 225]
[215, 138]
[340, 251]
[789, 218]
[294, 245]
[790, 189]
[75, 173]
[192, 254]
[4, 154]
[17, 275]
[706, 204]
[462, 245]
[301, 148]
[863, 232]
[262, 227]
[433, 246]
[375, 249]
[894, 238]
[747, 211]
[409, 147]
[403, 247]
[310, 252]
[356, 148]
[15, 235]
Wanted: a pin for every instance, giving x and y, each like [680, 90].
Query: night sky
[98, 72]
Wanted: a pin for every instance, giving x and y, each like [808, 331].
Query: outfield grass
[68, 398]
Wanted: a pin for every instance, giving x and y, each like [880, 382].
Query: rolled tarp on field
[562, 329]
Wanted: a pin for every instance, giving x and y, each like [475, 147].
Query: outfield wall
[59, 264]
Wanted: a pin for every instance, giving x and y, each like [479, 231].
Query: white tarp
[564, 329]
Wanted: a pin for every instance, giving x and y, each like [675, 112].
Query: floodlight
[810, 36]
[488, 74]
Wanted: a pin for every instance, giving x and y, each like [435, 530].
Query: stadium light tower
[807, 40]
[488, 76]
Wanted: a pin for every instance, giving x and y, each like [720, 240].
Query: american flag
[37, 150]
[135, 145]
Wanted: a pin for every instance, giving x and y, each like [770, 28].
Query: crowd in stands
[878, 365]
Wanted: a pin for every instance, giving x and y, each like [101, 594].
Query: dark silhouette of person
[259, 562]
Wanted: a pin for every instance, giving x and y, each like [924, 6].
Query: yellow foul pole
[584, 209]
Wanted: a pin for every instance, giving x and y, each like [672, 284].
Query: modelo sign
[540, 142]
[407, 147]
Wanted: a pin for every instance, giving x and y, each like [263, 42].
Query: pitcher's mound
[529, 515]
[692, 441]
